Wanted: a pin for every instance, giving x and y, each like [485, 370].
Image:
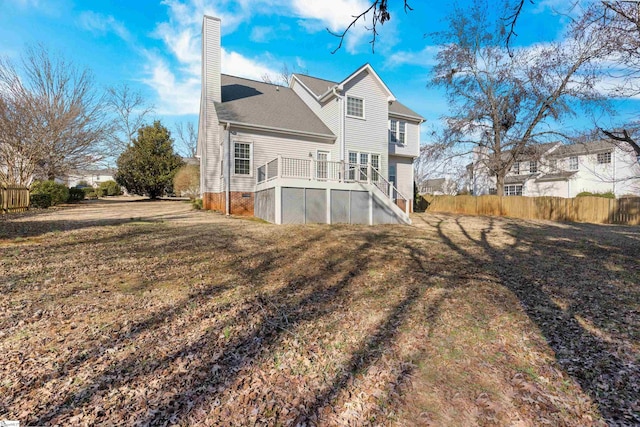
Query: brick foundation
[241, 202]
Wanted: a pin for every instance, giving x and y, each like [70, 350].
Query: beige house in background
[315, 151]
[564, 170]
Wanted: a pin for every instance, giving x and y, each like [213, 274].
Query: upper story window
[397, 132]
[355, 107]
[242, 158]
[604, 158]
[573, 163]
[533, 166]
[515, 168]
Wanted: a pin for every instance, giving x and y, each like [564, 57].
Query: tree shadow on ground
[263, 319]
[579, 284]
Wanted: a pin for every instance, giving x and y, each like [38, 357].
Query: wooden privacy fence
[598, 210]
[14, 199]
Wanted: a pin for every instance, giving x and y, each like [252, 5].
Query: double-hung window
[355, 107]
[513, 190]
[573, 163]
[533, 166]
[397, 132]
[357, 168]
[242, 158]
[515, 168]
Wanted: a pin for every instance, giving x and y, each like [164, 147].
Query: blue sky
[154, 46]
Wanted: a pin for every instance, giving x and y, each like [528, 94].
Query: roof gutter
[405, 116]
[278, 130]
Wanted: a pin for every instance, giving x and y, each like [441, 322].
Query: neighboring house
[316, 151]
[438, 187]
[559, 170]
[93, 177]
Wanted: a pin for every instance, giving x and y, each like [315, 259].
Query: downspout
[228, 186]
[342, 109]
[613, 159]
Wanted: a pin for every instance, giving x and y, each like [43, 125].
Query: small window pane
[604, 158]
[573, 163]
[533, 167]
[242, 159]
[393, 130]
[401, 132]
[355, 107]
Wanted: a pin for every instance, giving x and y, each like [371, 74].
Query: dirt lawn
[149, 313]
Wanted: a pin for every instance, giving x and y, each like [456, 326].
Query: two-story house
[315, 151]
[564, 170]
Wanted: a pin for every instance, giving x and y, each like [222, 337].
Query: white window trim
[396, 134]
[577, 163]
[508, 187]
[346, 109]
[604, 154]
[233, 158]
[369, 154]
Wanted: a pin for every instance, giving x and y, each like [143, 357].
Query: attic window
[355, 107]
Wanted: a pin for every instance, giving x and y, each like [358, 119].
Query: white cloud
[176, 79]
[103, 24]
[260, 34]
[335, 15]
[424, 58]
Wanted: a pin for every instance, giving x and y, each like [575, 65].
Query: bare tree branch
[379, 15]
[188, 138]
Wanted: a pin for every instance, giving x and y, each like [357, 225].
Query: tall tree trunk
[500, 184]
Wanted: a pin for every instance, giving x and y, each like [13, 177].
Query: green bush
[76, 194]
[196, 203]
[108, 188]
[59, 193]
[40, 201]
[607, 195]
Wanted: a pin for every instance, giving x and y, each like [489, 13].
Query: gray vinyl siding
[210, 156]
[328, 112]
[211, 57]
[209, 133]
[412, 147]
[266, 147]
[404, 174]
[369, 134]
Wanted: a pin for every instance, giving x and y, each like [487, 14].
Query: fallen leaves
[212, 321]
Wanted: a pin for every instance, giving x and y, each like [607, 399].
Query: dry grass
[189, 318]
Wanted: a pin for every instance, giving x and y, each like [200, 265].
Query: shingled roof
[320, 86]
[266, 105]
[582, 148]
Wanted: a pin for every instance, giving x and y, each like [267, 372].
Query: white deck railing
[328, 171]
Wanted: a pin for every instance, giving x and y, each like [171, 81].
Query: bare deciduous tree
[188, 138]
[617, 24]
[52, 117]
[504, 100]
[284, 75]
[130, 110]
